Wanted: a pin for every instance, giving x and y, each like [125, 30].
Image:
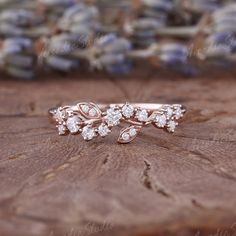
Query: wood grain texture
[160, 184]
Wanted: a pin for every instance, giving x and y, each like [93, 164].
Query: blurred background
[189, 37]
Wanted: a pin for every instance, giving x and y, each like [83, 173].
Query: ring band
[92, 120]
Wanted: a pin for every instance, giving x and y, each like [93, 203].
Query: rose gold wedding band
[92, 120]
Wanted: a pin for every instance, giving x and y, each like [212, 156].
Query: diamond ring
[92, 120]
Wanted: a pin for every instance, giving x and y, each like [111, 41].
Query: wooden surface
[160, 184]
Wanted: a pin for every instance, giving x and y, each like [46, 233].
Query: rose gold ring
[92, 120]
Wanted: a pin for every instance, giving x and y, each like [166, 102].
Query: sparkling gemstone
[72, 124]
[169, 112]
[103, 130]
[125, 136]
[85, 108]
[88, 133]
[92, 112]
[61, 129]
[160, 121]
[178, 113]
[171, 126]
[132, 132]
[59, 115]
[142, 115]
[127, 110]
[113, 117]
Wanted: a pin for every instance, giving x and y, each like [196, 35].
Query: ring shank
[148, 106]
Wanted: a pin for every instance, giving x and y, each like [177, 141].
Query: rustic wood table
[160, 184]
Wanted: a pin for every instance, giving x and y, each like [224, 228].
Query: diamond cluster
[168, 117]
[113, 116]
[128, 134]
[90, 121]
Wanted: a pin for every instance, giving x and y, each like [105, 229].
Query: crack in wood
[197, 204]
[150, 184]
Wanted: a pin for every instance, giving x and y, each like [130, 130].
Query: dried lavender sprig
[23, 23]
[18, 58]
[80, 17]
[58, 52]
[222, 20]
[113, 53]
[116, 59]
[110, 53]
[200, 6]
[14, 4]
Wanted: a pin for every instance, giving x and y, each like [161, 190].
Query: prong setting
[93, 120]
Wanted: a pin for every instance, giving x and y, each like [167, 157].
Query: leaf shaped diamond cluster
[91, 120]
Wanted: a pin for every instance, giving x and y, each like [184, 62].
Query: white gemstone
[132, 132]
[61, 129]
[127, 110]
[92, 112]
[103, 130]
[59, 115]
[125, 136]
[88, 133]
[142, 115]
[171, 126]
[72, 124]
[85, 108]
[160, 121]
[169, 112]
[178, 113]
[113, 117]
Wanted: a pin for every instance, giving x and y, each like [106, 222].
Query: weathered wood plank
[160, 184]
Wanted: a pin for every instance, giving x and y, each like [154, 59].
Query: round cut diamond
[142, 115]
[88, 133]
[125, 136]
[113, 117]
[103, 130]
[127, 110]
[72, 124]
[61, 129]
[132, 132]
[171, 126]
[92, 112]
[85, 108]
[178, 113]
[169, 112]
[160, 121]
[59, 115]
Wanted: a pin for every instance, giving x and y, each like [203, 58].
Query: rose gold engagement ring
[92, 120]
